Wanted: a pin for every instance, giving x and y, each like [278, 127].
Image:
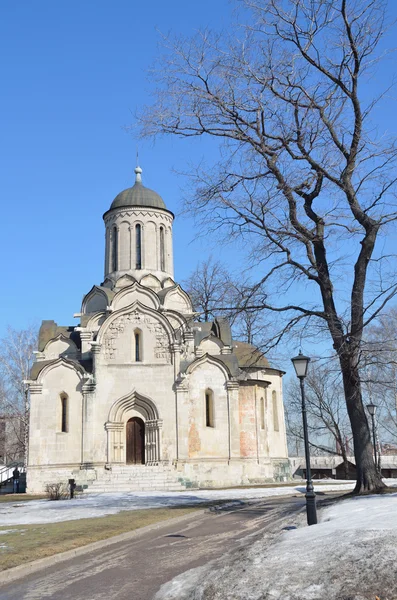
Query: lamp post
[372, 410]
[301, 364]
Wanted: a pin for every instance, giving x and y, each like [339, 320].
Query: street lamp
[372, 410]
[301, 364]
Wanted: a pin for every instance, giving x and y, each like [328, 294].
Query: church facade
[140, 393]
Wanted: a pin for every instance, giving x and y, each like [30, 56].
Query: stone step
[137, 478]
[140, 475]
[137, 474]
[113, 485]
[150, 482]
[136, 485]
[131, 488]
[128, 477]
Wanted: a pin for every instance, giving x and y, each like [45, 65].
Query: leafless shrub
[57, 491]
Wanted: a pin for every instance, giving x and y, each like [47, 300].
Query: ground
[261, 548]
[97, 505]
[350, 555]
[135, 569]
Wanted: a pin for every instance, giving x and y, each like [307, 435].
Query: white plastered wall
[60, 347]
[125, 221]
[197, 441]
[118, 374]
[48, 444]
[272, 443]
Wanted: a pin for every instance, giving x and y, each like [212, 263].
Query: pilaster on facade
[86, 339]
[95, 347]
[89, 385]
[115, 442]
[226, 350]
[34, 387]
[188, 342]
[95, 350]
[182, 383]
[176, 358]
[233, 387]
[153, 441]
[181, 395]
[88, 390]
[188, 337]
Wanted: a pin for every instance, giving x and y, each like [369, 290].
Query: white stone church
[140, 395]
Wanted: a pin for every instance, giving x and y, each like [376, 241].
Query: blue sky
[73, 74]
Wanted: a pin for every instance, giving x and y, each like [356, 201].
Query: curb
[37, 565]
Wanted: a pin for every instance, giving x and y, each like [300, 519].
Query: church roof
[249, 356]
[138, 195]
[223, 330]
[50, 330]
[39, 366]
[201, 331]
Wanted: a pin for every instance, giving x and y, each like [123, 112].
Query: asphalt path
[135, 569]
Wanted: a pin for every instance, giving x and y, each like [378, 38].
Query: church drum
[135, 433]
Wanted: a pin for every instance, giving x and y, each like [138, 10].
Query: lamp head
[301, 364]
[372, 409]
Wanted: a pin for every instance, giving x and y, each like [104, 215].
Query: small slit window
[262, 412]
[209, 409]
[162, 251]
[114, 249]
[138, 246]
[64, 413]
[276, 424]
[138, 346]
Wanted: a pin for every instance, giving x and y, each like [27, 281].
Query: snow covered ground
[350, 555]
[98, 505]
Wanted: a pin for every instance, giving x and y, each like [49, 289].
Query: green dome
[138, 195]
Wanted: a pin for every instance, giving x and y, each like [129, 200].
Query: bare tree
[209, 288]
[212, 288]
[328, 423]
[249, 324]
[16, 359]
[379, 372]
[303, 175]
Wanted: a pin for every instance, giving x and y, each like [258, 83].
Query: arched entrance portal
[135, 441]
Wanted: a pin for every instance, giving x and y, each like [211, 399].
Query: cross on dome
[138, 175]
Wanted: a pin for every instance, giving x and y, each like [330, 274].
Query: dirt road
[135, 569]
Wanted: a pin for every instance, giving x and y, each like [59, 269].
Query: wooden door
[135, 433]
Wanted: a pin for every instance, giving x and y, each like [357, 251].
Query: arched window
[138, 246]
[114, 249]
[209, 408]
[275, 411]
[138, 345]
[64, 413]
[162, 251]
[262, 412]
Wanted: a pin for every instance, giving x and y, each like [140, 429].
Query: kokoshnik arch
[141, 393]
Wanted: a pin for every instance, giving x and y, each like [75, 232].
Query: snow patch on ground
[350, 555]
[98, 505]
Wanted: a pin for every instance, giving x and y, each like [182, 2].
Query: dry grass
[24, 543]
[21, 497]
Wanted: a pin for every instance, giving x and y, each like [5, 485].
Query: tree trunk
[368, 479]
[345, 462]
